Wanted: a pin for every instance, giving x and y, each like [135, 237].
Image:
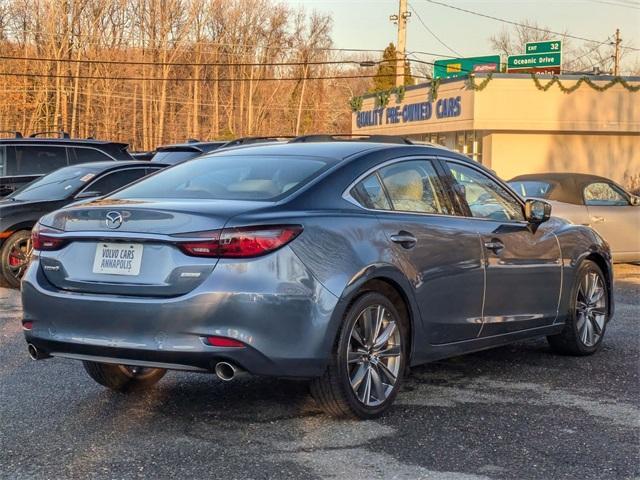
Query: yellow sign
[454, 67]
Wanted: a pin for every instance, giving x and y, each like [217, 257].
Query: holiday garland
[382, 97]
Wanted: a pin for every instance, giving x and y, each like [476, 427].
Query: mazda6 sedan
[340, 262]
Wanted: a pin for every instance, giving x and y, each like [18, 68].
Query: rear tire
[367, 363]
[122, 378]
[14, 258]
[588, 316]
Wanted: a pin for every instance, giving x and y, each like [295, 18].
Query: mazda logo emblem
[114, 219]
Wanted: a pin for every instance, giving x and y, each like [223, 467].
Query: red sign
[541, 70]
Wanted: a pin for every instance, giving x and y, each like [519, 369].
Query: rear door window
[604, 195]
[3, 162]
[415, 186]
[35, 159]
[86, 155]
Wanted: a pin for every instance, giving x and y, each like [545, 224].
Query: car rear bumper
[285, 317]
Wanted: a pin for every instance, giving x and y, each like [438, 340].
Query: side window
[36, 159]
[414, 186]
[604, 194]
[486, 198]
[115, 180]
[369, 194]
[86, 155]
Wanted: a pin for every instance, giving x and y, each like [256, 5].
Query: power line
[190, 64]
[517, 24]
[625, 5]
[432, 33]
[589, 52]
[197, 79]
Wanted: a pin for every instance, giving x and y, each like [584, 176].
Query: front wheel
[589, 314]
[365, 372]
[123, 378]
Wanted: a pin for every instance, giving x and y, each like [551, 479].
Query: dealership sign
[411, 112]
[459, 67]
[540, 57]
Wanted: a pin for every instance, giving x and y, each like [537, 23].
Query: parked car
[593, 201]
[180, 152]
[340, 262]
[20, 211]
[23, 160]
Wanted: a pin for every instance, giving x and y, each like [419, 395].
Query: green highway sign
[552, 46]
[517, 63]
[459, 67]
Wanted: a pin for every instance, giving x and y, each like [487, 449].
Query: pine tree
[385, 77]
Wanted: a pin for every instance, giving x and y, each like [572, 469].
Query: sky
[366, 24]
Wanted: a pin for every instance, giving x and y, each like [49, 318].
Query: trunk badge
[114, 219]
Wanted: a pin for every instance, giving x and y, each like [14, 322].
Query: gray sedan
[592, 201]
[340, 262]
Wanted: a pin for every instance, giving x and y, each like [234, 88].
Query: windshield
[531, 188]
[229, 178]
[58, 185]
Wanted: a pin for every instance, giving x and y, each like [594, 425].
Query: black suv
[24, 159]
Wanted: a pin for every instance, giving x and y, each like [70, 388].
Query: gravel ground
[513, 412]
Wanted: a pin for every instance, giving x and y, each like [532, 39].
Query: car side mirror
[537, 211]
[635, 200]
[87, 194]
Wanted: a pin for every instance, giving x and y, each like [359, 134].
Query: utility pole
[401, 21]
[616, 55]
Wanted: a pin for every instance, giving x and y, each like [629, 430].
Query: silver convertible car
[593, 201]
[341, 262]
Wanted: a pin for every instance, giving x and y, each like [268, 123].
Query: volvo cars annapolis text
[340, 262]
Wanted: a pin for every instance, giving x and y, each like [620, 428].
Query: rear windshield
[58, 185]
[531, 188]
[229, 178]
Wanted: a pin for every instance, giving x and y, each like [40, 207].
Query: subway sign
[450, 107]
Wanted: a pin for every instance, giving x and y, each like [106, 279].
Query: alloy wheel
[374, 355]
[591, 312]
[19, 257]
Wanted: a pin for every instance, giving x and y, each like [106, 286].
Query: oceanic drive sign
[411, 112]
[540, 57]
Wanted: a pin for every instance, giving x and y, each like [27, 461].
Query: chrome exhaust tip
[33, 352]
[226, 371]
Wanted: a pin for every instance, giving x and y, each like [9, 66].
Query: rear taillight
[40, 240]
[245, 242]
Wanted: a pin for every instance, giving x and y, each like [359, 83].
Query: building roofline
[521, 76]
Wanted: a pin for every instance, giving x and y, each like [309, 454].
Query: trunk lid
[124, 247]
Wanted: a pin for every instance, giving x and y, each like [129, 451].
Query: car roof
[327, 150]
[560, 177]
[115, 165]
[63, 141]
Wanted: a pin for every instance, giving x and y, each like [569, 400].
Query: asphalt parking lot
[513, 412]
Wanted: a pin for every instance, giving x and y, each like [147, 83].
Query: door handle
[494, 245]
[404, 239]
[597, 219]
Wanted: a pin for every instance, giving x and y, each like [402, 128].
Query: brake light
[27, 325]
[245, 242]
[41, 241]
[223, 342]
